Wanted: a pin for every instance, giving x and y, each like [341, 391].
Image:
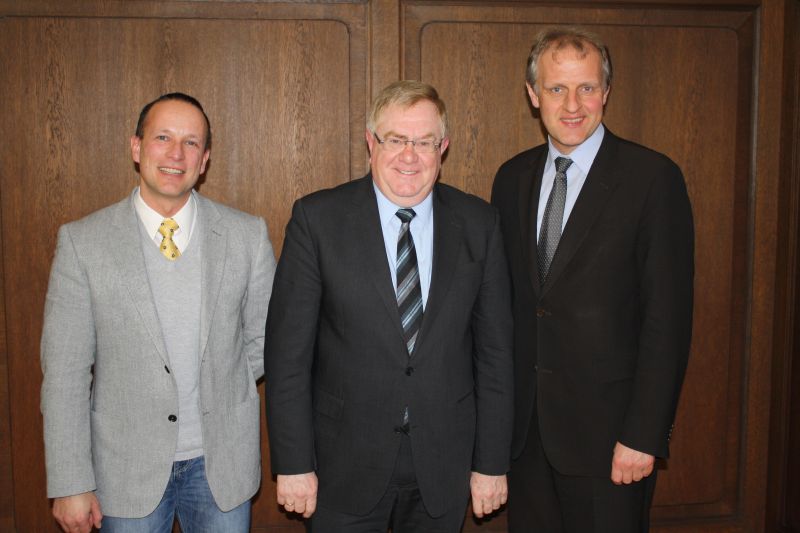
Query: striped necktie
[409, 293]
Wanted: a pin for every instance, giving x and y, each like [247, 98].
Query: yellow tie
[168, 248]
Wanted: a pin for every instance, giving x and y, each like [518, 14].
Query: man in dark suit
[388, 353]
[599, 237]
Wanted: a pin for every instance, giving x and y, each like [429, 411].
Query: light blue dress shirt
[582, 159]
[421, 231]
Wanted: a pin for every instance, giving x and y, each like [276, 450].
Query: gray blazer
[114, 434]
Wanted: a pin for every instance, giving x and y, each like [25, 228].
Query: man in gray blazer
[153, 340]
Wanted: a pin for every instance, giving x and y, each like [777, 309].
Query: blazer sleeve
[492, 326]
[665, 258]
[259, 289]
[289, 349]
[67, 355]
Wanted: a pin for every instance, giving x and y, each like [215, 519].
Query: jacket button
[409, 370]
[172, 418]
[540, 312]
[167, 369]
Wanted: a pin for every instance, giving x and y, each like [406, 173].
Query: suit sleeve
[259, 289]
[492, 327]
[67, 355]
[665, 257]
[289, 350]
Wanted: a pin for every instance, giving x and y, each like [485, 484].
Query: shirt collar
[151, 219]
[388, 209]
[583, 155]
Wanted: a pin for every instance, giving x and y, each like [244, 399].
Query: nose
[408, 153]
[176, 151]
[571, 103]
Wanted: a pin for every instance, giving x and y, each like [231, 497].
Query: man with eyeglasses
[388, 351]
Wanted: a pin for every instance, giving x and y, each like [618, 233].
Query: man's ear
[532, 95]
[136, 146]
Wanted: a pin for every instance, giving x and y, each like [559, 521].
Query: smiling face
[406, 177]
[171, 154]
[570, 95]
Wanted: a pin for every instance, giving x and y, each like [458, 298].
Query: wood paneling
[287, 85]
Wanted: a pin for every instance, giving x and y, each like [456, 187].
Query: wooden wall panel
[665, 96]
[287, 86]
[286, 97]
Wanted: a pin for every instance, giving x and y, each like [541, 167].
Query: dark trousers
[400, 508]
[542, 500]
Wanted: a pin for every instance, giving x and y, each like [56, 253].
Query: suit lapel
[214, 256]
[446, 242]
[529, 187]
[364, 222]
[126, 249]
[594, 195]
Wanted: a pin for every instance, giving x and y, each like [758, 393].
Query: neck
[166, 207]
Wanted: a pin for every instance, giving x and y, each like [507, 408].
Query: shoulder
[345, 192]
[459, 199]
[227, 214]
[468, 207]
[639, 159]
[101, 220]
[330, 204]
[522, 161]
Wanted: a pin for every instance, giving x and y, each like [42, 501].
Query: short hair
[181, 97]
[560, 38]
[406, 93]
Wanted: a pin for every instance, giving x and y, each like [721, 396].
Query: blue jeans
[188, 498]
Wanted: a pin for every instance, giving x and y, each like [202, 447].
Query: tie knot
[168, 227]
[405, 215]
[562, 164]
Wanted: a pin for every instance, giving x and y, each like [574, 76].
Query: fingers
[78, 513]
[488, 493]
[298, 493]
[629, 466]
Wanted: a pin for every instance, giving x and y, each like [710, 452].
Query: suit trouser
[401, 507]
[542, 500]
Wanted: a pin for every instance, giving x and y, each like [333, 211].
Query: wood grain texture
[287, 86]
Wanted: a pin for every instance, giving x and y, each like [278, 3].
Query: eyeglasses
[396, 144]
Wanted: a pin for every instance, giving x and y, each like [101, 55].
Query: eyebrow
[392, 133]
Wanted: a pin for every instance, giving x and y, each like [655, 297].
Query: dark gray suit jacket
[601, 349]
[338, 374]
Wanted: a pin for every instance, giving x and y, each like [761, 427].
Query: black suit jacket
[601, 349]
[337, 371]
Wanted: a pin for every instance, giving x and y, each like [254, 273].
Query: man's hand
[628, 465]
[78, 513]
[298, 493]
[488, 493]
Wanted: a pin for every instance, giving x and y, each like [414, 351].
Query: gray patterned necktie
[553, 219]
[409, 293]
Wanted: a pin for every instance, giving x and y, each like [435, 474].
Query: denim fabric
[188, 498]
